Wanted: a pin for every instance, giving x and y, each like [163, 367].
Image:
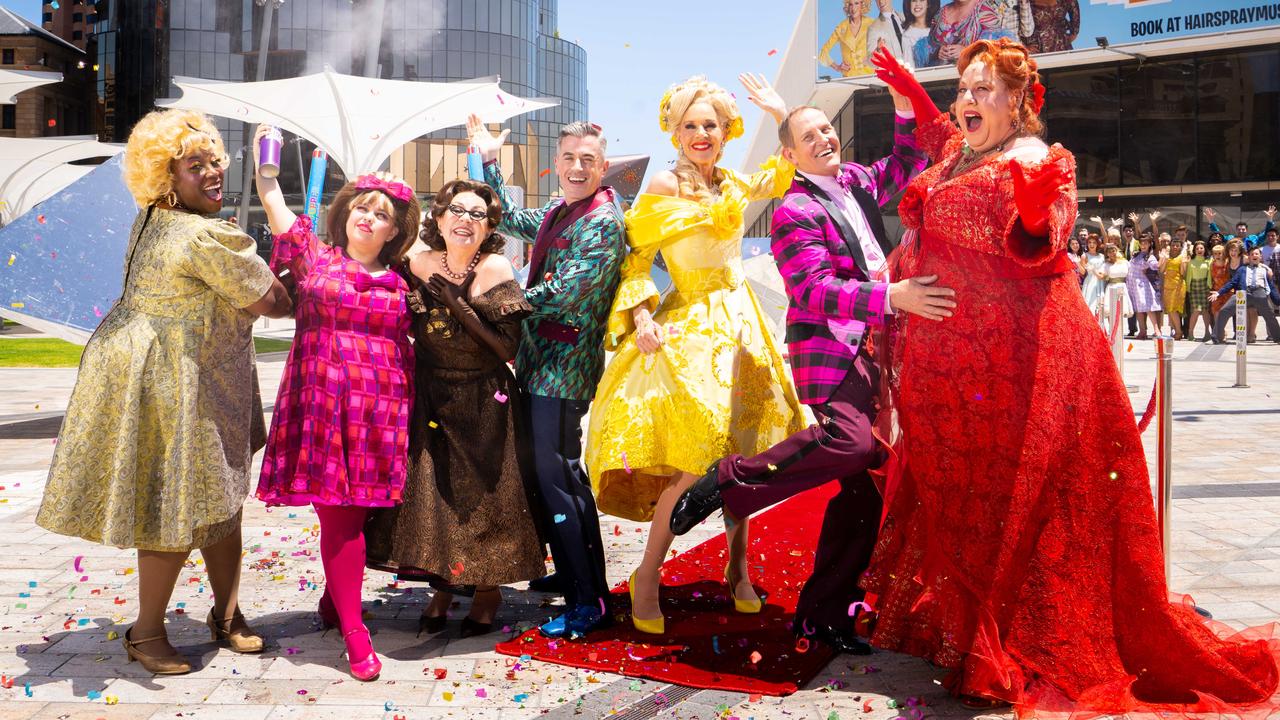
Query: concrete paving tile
[20, 711]
[94, 710]
[54, 690]
[169, 690]
[206, 711]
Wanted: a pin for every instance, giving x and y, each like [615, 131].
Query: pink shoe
[368, 668]
[328, 613]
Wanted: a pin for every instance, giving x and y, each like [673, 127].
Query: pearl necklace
[444, 265]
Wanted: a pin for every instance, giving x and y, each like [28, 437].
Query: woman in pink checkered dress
[340, 430]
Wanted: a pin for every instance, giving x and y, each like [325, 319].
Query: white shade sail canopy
[358, 121]
[33, 169]
[13, 82]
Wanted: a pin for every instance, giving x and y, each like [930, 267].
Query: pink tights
[342, 554]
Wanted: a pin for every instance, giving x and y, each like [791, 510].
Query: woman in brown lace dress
[465, 524]
[1057, 23]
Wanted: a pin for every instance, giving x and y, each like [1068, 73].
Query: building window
[9, 121]
[77, 17]
[77, 35]
[6, 56]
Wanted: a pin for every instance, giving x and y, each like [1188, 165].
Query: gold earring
[172, 199]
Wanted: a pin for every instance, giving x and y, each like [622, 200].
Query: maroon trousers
[839, 446]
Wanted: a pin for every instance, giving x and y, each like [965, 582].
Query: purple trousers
[837, 447]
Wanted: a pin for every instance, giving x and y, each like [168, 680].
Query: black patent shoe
[472, 628]
[431, 624]
[842, 641]
[698, 502]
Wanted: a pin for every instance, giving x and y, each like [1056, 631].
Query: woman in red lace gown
[1020, 545]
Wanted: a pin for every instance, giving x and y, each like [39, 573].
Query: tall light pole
[269, 8]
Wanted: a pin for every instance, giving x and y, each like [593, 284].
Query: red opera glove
[1034, 192]
[892, 72]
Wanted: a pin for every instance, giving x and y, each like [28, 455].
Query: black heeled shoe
[431, 624]
[472, 628]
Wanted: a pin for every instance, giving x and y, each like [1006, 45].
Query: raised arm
[279, 216]
[519, 222]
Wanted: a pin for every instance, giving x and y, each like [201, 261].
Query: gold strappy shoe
[169, 665]
[242, 639]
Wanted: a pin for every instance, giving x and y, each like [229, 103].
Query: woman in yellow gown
[698, 375]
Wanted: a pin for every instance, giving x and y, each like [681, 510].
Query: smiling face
[984, 107]
[580, 165]
[466, 230]
[197, 181]
[919, 9]
[1111, 253]
[371, 222]
[815, 146]
[1092, 244]
[1218, 253]
[855, 9]
[701, 133]
[1255, 257]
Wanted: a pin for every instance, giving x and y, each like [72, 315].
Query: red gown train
[1020, 545]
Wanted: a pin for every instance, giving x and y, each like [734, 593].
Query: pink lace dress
[340, 430]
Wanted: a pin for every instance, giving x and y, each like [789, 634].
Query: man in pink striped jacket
[830, 245]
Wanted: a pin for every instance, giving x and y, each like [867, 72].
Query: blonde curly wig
[675, 103]
[158, 139]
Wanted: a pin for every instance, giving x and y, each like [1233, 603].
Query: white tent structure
[358, 121]
[13, 82]
[33, 169]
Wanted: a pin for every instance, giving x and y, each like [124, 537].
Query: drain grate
[650, 705]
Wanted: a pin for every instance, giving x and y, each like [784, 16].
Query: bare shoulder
[664, 183]
[423, 265]
[1028, 150]
[492, 270]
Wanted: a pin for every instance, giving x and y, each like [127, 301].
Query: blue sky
[636, 50]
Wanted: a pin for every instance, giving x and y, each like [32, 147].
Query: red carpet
[707, 644]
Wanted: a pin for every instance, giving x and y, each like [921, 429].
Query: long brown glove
[454, 297]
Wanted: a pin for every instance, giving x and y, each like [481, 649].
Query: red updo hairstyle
[1015, 68]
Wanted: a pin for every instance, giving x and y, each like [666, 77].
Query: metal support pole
[246, 177]
[1242, 340]
[1164, 451]
[1115, 302]
[302, 170]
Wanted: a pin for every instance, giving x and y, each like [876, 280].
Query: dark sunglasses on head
[477, 215]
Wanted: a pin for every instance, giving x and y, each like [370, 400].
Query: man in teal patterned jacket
[578, 247]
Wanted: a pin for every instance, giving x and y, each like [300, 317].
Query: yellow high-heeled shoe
[746, 607]
[655, 626]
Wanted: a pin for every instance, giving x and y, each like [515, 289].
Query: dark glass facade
[435, 40]
[1174, 134]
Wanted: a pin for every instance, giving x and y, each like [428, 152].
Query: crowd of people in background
[1176, 283]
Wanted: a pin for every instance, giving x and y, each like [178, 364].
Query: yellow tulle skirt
[718, 386]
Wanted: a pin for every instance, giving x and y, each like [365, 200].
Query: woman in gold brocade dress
[159, 435]
[698, 375]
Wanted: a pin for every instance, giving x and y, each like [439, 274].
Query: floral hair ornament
[392, 188]
[1037, 96]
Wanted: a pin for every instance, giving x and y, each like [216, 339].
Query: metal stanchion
[1242, 340]
[1164, 447]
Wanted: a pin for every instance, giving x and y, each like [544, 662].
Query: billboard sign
[932, 32]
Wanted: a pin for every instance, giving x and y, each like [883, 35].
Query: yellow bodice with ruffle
[719, 384]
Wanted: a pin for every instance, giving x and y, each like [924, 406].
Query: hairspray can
[269, 153]
[475, 164]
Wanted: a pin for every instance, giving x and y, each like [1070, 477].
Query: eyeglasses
[477, 215]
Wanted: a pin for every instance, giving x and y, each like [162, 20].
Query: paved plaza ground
[63, 602]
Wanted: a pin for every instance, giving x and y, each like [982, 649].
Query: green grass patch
[45, 352]
[269, 345]
[39, 353]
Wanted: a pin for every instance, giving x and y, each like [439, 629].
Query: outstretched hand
[1034, 191]
[484, 141]
[760, 92]
[896, 75]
